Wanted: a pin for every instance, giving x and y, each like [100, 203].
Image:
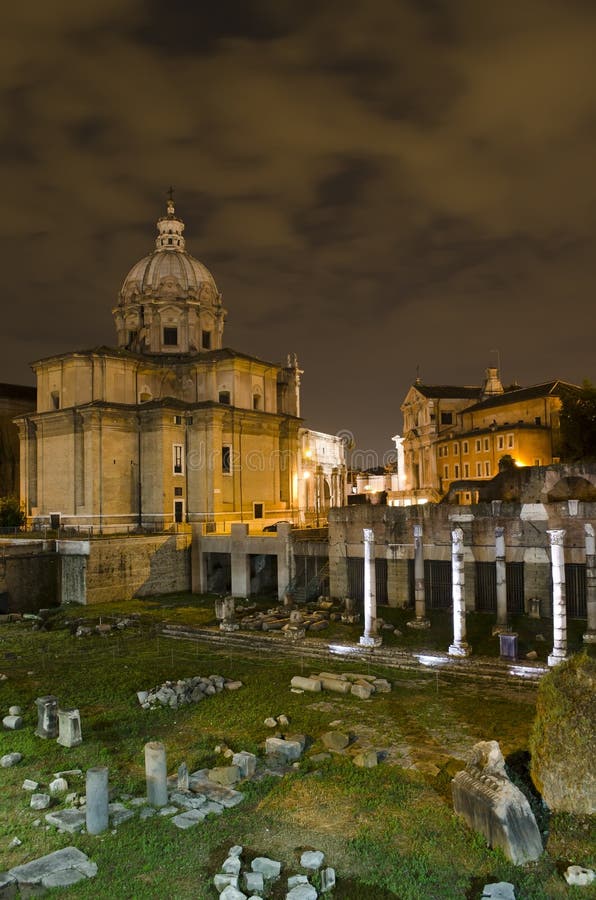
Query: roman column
[459, 647]
[501, 574]
[590, 635]
[419, 587]
[96, 800]
[557, 555]
[156, 773]
[370, 637]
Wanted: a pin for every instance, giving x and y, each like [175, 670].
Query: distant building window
[486, 445]
[456, 449]
[256, 401]
[226, 459]
[478, 445]
[132, 336]
[170, 337]
[177, 420]
[446, 418]
[479, 470]
[177, 492]
[510, 441]
[258, 510]
[446, 471]
[487, 469]
[500, 442]
[178, 511]
[189, 420]
[224, 397]
[55, 399]
[206, 340]
[537, 421]
[537, 462]
[170, 241]
[465, 447]
[177, 450]
[456, 471]
[466, 470]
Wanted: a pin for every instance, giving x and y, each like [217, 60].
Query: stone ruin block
[491, 804]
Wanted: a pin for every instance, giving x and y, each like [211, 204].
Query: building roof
[535, 391]
[162, 359]
[444, 391]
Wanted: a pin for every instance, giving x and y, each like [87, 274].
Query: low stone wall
[29, 575]
[126, 566]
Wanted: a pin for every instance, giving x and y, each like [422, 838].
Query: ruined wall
[28, 576]
[122, 567]
[526, 541]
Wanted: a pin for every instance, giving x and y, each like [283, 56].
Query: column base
[555, 658]
[229, 626]
[461, 649]
[418, 623]
[371, 640]
[589, 637]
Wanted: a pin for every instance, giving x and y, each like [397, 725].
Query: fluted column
[501, 573]
[557, 555]
[459, 647]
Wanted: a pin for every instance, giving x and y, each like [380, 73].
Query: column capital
[457, 535]
[418, 531]
[369, 535]
[556, 536]
[499, 531]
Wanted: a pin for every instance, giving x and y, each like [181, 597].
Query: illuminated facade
[450, 438]
[169, 426]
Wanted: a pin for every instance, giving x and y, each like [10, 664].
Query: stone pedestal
[534, 607]
[501, 576]
[156, 774]
[370, 638]
[590, 635]
[557, 551]
[350, 615]
[69, 724]
[459, 647]
[96, 806]
[47, 717]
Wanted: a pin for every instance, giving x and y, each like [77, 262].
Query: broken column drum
[557, 555]
[370, 637]
[96, 806]
[156, 774]
[459, 647]
[47, 717]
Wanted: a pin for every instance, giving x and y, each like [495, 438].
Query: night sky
[382, 187]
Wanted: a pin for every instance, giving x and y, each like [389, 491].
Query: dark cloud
[377, 186]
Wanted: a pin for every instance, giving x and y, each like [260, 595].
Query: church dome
[170, 271]
[169, 302]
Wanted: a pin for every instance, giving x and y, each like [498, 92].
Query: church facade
[169, 426]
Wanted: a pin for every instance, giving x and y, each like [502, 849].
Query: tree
[578, 423]
[11, 513]
[506, 463]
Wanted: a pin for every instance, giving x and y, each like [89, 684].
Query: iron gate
[356, 578]
[575, 589]
[381, 580]
[515, 587]
[438, 583]
[486, 587]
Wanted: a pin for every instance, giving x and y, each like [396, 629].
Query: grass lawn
[388, 831]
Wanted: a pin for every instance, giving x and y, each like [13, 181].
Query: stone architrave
[97, 799]
[590, 635]
[501, 576]
[557, 551]
[491, 804]
[370, 638]
[69, 724]
[47, 717]
[156, 774]
[459, 647]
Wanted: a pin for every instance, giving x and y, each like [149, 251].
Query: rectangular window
[55, 398]
[446, 418]
[478, 470]
[478, 445]
[178, 510]
[258, 510]
[170, 337]
[537, 421]
[446, 471]
[501, 442]
[510, 441]
[466, 470]
[206, 340]
[177, 420]
[177, 450]
[226, 459]
[224, 397]
[537, 462]
[456, 471]
[465, 447]
[456, 449]
[486, 445]
[177, 492]
[487, 469]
